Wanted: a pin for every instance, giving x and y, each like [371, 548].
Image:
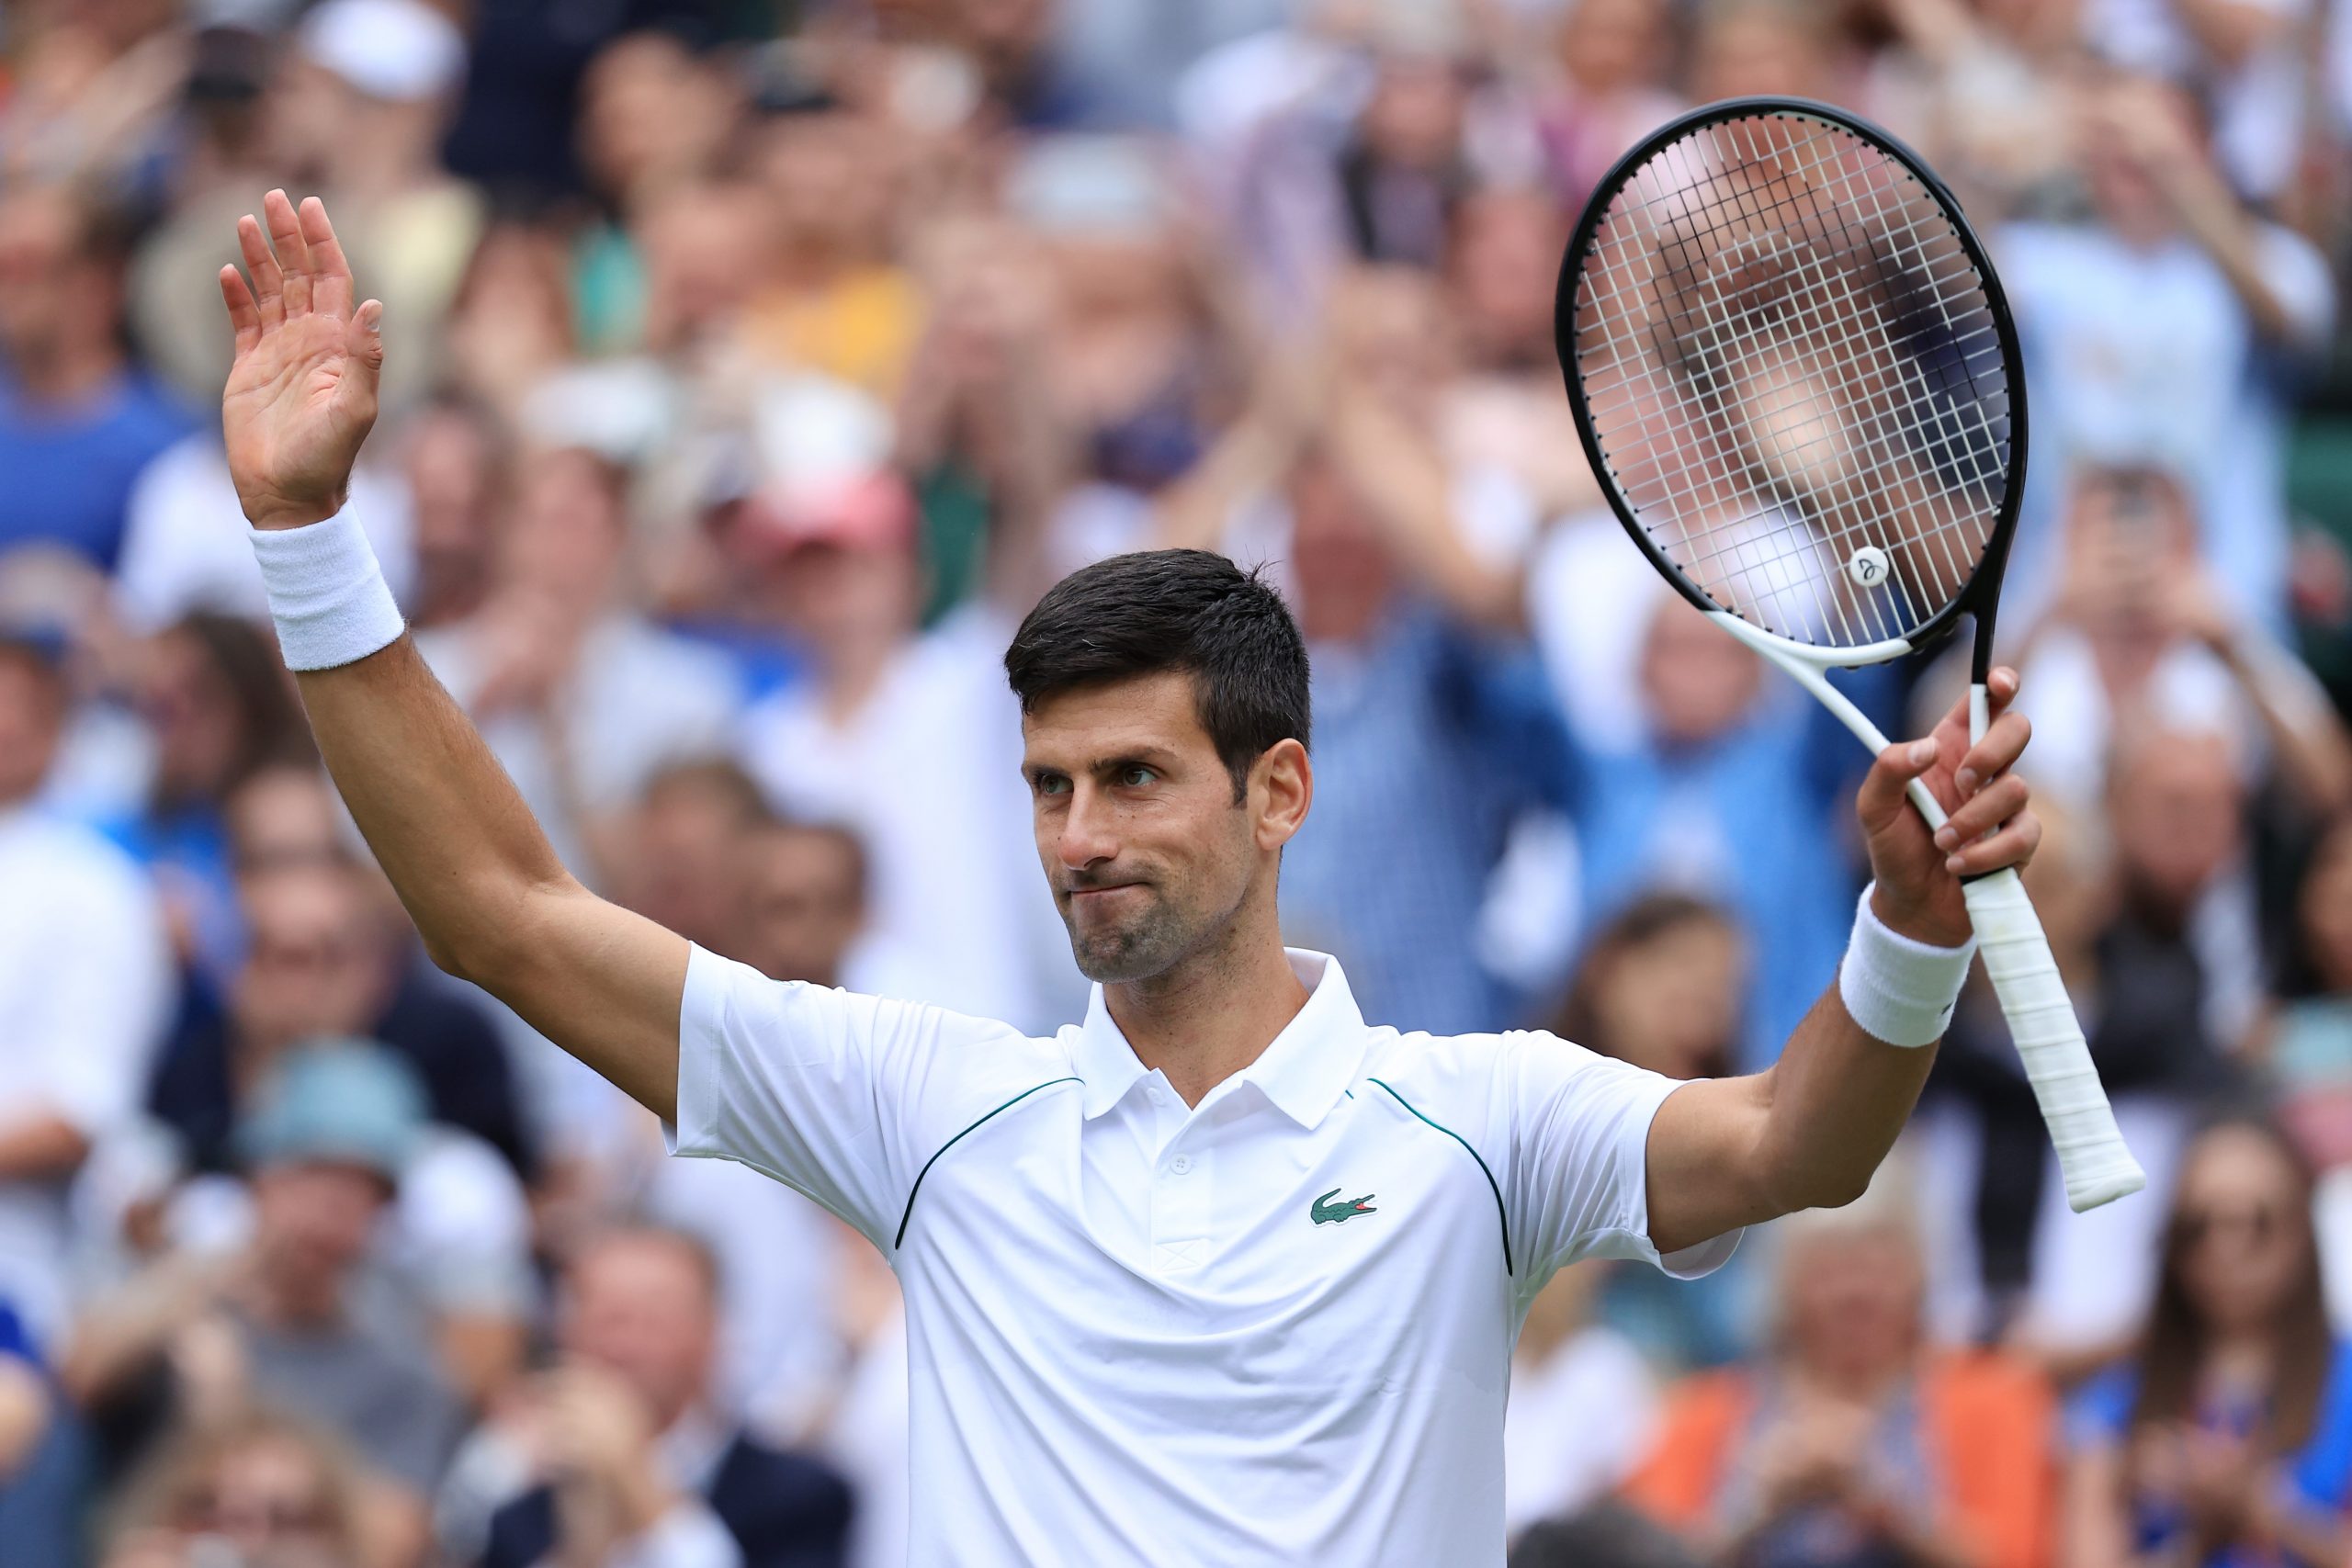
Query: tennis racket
[1795, 374]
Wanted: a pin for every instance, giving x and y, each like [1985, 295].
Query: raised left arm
[1809, 1131]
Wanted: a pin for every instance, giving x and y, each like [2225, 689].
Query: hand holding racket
[1797, 377]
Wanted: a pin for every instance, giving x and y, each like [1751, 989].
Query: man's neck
[65, 373]
[1214, 1014]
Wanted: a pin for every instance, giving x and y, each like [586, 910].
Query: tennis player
[1225, 1274]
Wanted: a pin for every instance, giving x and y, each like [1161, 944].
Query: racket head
[1795, 374]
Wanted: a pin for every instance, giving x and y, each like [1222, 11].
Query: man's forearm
[1837, 1099]
[444, 821]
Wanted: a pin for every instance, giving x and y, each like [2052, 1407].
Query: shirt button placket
[1180, 1213]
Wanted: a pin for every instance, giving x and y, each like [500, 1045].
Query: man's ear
[1281, 788]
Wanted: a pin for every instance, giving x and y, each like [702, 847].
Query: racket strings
[1795, 378]
[1855, 341]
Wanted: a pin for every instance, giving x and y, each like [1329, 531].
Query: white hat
[402, 50]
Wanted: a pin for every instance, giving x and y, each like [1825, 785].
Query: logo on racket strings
[1869, 566]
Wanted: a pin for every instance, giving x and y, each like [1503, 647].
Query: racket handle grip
[2097, 1168]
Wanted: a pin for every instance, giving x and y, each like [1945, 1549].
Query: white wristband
[326, 592]
[1899, 990]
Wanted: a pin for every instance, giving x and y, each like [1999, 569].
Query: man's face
[641, 1309]
[1697, 682]
[313, 968]
[802, 903]
[1147, 852]
[313, 1220]
[2176, 803]
[39, 271]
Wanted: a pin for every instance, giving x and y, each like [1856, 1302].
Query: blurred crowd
[752, 366]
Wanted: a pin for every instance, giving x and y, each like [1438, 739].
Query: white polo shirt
[1274, 1327]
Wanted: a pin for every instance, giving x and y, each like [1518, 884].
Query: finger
[2012, 846]
[2004, 743]
[244, 317]
[1982, 812]
[293, 251]
[366, 340]
[1881, 798]
[331, 287]
[269, 298]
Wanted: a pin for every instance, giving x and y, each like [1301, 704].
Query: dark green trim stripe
[1489, 1175]
[899, 1240]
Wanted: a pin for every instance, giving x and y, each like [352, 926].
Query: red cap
[871, 510]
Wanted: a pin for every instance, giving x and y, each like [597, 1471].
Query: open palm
[301, 394]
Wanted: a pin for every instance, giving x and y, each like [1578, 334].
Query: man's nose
[1087, 835]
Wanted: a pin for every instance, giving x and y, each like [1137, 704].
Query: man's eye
[1137, 778]
[1052, 783]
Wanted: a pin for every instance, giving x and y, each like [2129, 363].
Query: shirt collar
[1303, 1070]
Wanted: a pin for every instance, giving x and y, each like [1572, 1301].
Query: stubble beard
[1146, 944]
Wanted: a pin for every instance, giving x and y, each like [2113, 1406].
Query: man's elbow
[496, 943]
[1815, 1184]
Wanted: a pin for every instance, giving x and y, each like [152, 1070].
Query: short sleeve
[1579, 1160]
[831, 1093]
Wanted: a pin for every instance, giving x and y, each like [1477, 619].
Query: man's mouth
[1078, 894]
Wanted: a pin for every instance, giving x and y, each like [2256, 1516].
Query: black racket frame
[1981, 596]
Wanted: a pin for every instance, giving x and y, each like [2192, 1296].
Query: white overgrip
[2097, 1165]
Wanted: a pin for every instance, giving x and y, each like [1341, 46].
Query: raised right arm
[492, 900]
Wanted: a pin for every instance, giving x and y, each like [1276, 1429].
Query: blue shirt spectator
[2318, 1475]
[77, 422]
[1428, 740]
[70, 464]
[1732, 790]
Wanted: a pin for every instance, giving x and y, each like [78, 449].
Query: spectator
[1505, 412]
[2169, 327]
[1565, 1368]
[2227, 1439]
[791, 900]
[271, 1491]
[1613, 56]
[459, 474]
[217, 708]
[2139, 631]
[833, 301]
[578, 693]
[684, 851]
[1421, 695]
[1660, 987]
[1361, 160]
[77, 420]
[1663, 986]
[323, 962]
[654, 117]
[804, 903]
[629, 1461]
[282, 1320]
[1854, 1441]
[85, 990]
[859, 741]
[1682, 803]
[2009, 1259]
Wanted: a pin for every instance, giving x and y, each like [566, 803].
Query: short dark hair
[1161, 610]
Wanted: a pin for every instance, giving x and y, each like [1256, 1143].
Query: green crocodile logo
[1326, 1211]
